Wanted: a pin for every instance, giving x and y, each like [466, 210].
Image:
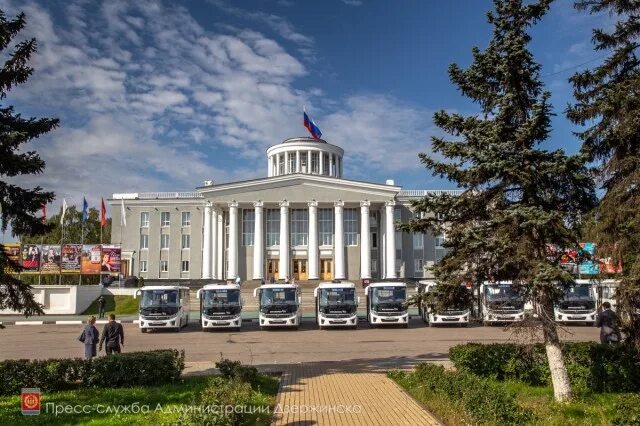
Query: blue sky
[159, 96]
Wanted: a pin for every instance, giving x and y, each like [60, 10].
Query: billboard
[50, 259]
[588, 264]
[110, 263]
[91, 258]
[71, 258]
[31, 258]
[13, 254]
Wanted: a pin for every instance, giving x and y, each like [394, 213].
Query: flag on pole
[103, 213]
[311, 126]
[123, 216]
[85, 208]
[64, 210]
[44, 213]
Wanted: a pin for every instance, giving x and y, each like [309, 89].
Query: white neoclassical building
[304, 220]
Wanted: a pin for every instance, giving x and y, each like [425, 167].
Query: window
[374, 240]
[248, 224]
[303, 162]
[350, 227]
[299, 227]
[315, 162]
[292, 162]
[164, 266]
[273, 227]
[164, 241]
[440, 239]
[418, 241]
[185, 266]
[144, 241]
[325, 163]
[144, 219]
[165, 219]
[417, 264]
[281, 165]
[325, 226]
[143, 266]
[186, 218]
[186, 241]
[374, 265]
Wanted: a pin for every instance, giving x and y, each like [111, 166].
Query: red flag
[103, 213]
[44, 213]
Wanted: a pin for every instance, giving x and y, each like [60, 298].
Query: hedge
[483, 402]
[118, 370]
[592, 367]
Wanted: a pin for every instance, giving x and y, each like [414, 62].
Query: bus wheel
[143, 330]
[406, 325]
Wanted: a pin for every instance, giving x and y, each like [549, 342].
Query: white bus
[279, 305]
[500, 303]
[336, 305]
[387, 303]
[606, 291]
[454, 315]
[578, 304]
[163, 307]
[220, 306]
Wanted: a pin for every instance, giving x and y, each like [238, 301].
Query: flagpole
[61, 243]
[81, 244]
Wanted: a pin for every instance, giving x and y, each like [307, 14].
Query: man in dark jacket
[101, 304]
[90, 338]
[608, 323]
[112, 336]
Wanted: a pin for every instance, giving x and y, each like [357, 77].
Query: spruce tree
[517, 197]
[608, 108]
[20, 206]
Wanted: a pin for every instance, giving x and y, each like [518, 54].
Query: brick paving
[328, 394]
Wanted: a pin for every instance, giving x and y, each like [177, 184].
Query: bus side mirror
[136, 294]
[366, 291]
[358, 300]
[198, 294]
[315, 292]
[255, 292]
[299, 300]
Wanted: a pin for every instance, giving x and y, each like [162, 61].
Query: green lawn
[118, 305]
[170, 397]
[594, 409]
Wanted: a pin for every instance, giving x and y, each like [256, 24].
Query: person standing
[238, 280]
[608, 323]
[101, 304]
[89, 337]
[112, 336]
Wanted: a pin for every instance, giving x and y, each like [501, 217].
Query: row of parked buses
[279, 305]
[336, 305]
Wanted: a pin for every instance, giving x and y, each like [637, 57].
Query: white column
[220, 259]
[287, 167]
[278, 164]
[321, 160]
[284, 240]
[365, 246]
[269, 166]
[214, 244]
[206, 245]
[338, 242]
[233, 241]
[331, 172]
[258, 245]
[309, 162]
[382, 235]
[313, 240]
[298, 162]
[390, 239]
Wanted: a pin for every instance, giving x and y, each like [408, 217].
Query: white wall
[63, 299]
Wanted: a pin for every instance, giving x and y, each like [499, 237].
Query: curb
[63, 322]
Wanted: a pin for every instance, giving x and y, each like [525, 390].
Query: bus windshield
[388, 295]
[220, 297]
[579, 292]
[278, 296]
[153, 298]
[501, 292]
[337, 296]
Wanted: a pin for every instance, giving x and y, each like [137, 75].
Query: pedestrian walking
[262, 281]
[272, 280]
[238, 280]
[89, 337]
[101, 303]
[608, 323]
[112, 336]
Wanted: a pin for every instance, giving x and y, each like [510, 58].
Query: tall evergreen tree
[19, 205]
[608, 104]
[517, 198]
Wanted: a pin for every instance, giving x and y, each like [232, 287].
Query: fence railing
[425, 192]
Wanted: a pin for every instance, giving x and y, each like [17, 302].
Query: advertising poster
[110, 263]
[71, 258]
[91, 258]
[588, 264]
[31, 258]
[50, 259]
[609, 266]
[13, 254]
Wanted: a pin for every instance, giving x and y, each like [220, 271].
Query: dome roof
[304, 139]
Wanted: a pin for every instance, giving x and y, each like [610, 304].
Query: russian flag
[311, 127]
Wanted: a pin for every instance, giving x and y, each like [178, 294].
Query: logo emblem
[30, 401]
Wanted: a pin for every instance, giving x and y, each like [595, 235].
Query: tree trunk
[559, 377]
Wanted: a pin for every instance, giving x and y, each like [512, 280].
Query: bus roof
[288, 285]
[163, 287]
[329, 284]
[388, 284]
[221, 287]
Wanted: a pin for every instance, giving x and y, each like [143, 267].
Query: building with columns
[304, 220]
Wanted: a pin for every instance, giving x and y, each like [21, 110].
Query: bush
[234, 370]
[627, 411]
[119, 370]
[483, 402]
[592, 367]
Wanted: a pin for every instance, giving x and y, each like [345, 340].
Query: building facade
[304, 220]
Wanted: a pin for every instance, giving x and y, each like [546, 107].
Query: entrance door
[300, 269]
[124, 267]
[326, 266]
[272, 269]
